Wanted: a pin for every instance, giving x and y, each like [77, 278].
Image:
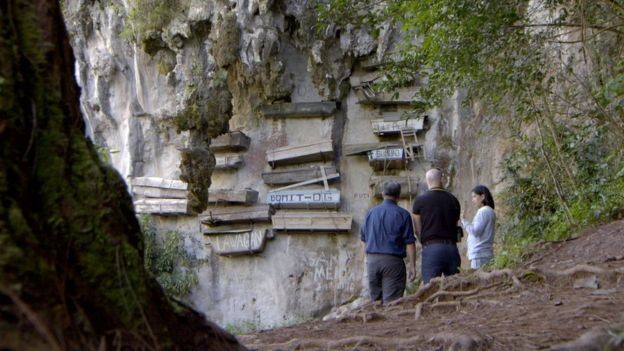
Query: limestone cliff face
[155, 98]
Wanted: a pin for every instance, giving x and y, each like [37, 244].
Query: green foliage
[168, 261]
[553, 74]
[148, 16]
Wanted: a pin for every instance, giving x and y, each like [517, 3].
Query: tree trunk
[71, 255]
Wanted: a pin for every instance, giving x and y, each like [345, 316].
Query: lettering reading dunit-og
[312, 197]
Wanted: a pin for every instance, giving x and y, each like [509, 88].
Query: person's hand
[411, 273]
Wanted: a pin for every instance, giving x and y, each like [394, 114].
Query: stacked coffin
[397, 125]
[159, 196]
[229, 143]
[303, 205]
[231, 230]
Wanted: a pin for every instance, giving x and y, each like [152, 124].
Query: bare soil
[568, 295]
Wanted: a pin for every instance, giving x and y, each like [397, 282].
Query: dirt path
[567, 292]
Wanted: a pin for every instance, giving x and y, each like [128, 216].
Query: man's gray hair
[392, 188]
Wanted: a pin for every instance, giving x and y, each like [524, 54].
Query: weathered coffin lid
[309, 152]
[296, 175]
[162, 206]
[230, 141]
[242, 214]
[417, 123]
[292, 221]
[229, 231]
[300, 146]
[158, 182]
[362, 149]
[153, 192]
[232, 195]
[300, 109]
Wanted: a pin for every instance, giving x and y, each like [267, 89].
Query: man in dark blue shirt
[388, 235]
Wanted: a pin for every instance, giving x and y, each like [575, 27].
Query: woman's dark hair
[488, 200]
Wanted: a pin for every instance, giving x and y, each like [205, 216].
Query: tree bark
[71, 250]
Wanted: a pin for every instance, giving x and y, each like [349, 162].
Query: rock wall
[214, 67]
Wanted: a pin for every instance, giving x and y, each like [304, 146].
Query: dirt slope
[568, 296]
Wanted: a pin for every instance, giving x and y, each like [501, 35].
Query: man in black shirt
[436, 213]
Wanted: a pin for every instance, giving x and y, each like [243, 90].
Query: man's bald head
[434, 178]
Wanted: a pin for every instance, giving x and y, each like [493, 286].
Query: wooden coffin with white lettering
[316, 151]
[386, 158]
[383, 127]
[223, 196]
[300, 109]
[296, 175]
[233, 141]
[156, 187]
[164, 207]
[233, 215]
[328, 199]
[228, 162]
[409, 185]
[237, 242]
[311, 221]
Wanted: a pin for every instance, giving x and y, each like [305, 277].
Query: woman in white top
[481, 229]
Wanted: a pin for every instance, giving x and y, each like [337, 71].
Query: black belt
[438, 241]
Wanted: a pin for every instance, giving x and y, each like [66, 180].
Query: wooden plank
[228, 162]
[161, 206]
[312, 221]
[159, 183]
[239, 242]
[377, 184]
[300, 109]
[148, 191]
[387, 158]
[317, 151]
[233, 141]
[242, 196]
[381, 127]
[232, 215]
[311, 181]
[328, 199]
[295, 175]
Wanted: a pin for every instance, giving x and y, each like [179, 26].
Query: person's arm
[363, 232]
[411, 261]
[477, 227]
[417, 225]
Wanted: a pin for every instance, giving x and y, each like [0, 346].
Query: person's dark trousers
[386, 277]
[438, 259]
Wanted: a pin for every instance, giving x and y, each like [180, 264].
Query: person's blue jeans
[438, 259]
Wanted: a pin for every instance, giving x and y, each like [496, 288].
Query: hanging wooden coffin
[234, 141]
[386, 158]
[383, 127]
[300, 109]
[156, 187]
[328, 199]
[409, 186]
[165, 207]
[295, 175]
[312, 221]
[317, 151]
[237, 242]
[223, 196]
[228, 162]
[233, 215]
